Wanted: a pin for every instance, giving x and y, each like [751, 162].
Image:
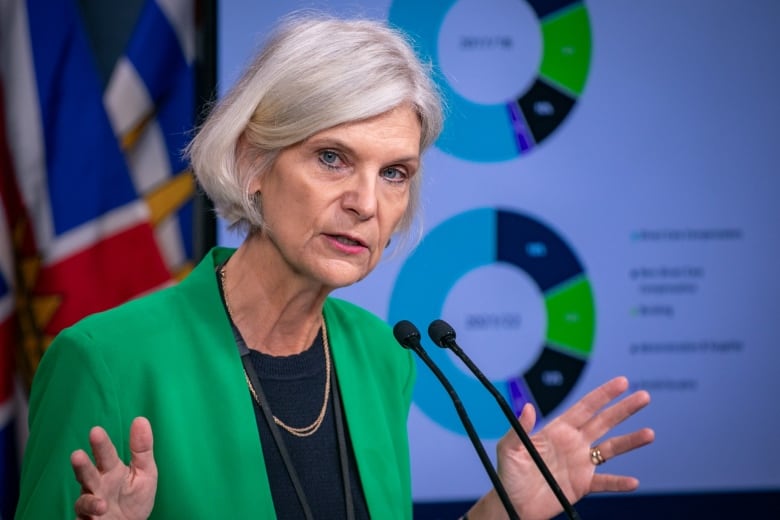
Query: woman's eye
[330, 158]
[394, 174]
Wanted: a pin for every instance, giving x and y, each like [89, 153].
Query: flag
[9, 201]
[96, 199]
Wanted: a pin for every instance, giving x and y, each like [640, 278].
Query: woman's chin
[339, 275]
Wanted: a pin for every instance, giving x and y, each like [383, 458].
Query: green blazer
[171, 357]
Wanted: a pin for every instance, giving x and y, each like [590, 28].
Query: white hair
[314, 73]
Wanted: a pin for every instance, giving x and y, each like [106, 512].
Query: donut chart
[475, 239]
[502, 131]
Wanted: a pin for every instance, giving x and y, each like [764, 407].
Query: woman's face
[331, 202]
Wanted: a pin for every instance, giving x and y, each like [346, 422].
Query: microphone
[444, 336]
[407, 335]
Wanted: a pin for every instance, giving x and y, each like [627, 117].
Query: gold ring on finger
[595, 456]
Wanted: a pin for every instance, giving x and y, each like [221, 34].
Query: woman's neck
[276, 311]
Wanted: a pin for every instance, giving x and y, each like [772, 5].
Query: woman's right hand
[109, 488]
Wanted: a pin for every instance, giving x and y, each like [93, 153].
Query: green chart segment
[502, 131]
[475, 239]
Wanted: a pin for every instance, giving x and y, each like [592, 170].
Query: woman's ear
[246, 162]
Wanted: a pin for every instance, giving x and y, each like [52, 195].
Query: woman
[316, 153]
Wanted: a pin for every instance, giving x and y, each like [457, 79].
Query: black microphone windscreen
[441, 331]
[404, 332]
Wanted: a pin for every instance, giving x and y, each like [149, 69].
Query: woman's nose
[361, 198]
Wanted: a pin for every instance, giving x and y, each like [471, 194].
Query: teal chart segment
[478, 238]
[501, 131]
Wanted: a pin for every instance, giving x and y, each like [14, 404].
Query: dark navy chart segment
[552, 377]
[535, 249]
[544, 7]
[544, 108]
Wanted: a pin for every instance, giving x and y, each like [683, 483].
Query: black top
[294, 386]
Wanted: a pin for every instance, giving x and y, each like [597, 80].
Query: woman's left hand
[565, 444]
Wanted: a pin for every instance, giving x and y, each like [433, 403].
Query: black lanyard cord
[277, 435]
[339, 418]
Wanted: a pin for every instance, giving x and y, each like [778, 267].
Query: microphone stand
[444, 336]
[408, 337]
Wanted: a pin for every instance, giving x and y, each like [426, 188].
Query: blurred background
[602, 202]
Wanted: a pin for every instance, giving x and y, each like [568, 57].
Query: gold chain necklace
[305, 431]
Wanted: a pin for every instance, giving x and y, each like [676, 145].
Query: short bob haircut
[315, 72]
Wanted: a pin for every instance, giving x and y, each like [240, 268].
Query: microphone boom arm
[409, 337]
[444, 336]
